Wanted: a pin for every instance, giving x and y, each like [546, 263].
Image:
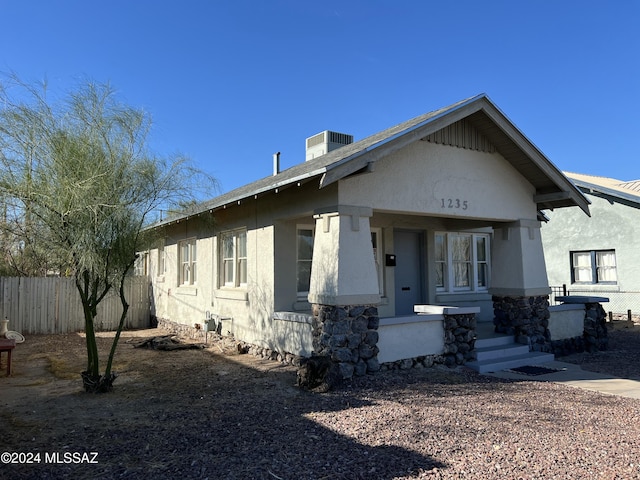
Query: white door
[408, 277]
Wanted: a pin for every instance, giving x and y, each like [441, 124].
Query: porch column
[519, 284]
[344, 290]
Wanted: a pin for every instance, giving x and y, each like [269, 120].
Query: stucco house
[398, 246]
[598, 255]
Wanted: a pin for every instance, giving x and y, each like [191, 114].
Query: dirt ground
[43, 407]
[214, 413]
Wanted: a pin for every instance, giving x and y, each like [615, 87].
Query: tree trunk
[116, 338]
[92, 381]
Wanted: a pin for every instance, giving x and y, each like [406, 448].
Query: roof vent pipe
[276, 163]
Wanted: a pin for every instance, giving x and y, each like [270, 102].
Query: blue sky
[229, 83]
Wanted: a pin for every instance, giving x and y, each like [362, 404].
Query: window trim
[300, 293]
[447, 264]
[594, 268]
[162, 259]
[236, 260]
[141, 265]
[378, 256]
[191, 263]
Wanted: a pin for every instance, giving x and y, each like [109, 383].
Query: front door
[408, 277]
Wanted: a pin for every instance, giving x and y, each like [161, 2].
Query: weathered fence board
[52, 305]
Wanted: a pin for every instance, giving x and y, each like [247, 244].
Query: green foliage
[78, 185]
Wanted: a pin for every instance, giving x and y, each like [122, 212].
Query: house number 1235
[454, 203]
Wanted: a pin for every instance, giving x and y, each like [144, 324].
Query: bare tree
[79, 186]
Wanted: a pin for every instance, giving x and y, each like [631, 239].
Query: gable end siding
[462, 134]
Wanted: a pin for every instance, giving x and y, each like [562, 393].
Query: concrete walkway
[572, 375]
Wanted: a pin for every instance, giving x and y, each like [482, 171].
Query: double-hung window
[461, 262]
[141, 265]
[304, 257]
[162, 257]
[233, 254]
[187, 262]
[304, 245]
[376, 243]
[594, 266]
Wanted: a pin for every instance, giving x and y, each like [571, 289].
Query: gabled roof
[611, 189]
[553, 189]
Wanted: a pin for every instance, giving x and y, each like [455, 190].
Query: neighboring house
[598, 256]
[332, 255]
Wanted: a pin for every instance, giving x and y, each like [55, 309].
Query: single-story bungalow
[397, 246]
[597, 255]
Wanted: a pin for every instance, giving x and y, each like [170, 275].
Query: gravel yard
[213, 413]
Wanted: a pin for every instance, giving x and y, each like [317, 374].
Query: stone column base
[526, 318]
[348, 336]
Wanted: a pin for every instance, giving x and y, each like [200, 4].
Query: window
[141, 265]
[304, 247]
[376, 242]
[482, 261]
[162, 269]
[594, 266]
[187, 262]
[233, 254]
[441, 261]
[461, 262]
[304, 241]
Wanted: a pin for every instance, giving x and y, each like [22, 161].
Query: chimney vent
[276, 163]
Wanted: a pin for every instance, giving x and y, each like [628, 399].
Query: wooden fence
[52, 305]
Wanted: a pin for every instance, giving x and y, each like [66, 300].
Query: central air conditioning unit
[326, 141]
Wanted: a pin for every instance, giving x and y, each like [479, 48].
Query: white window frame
[141, 265]
[473, 263]
[187, 262]
[162, 259]
[378, 253]
[233, 262]
[303, 293]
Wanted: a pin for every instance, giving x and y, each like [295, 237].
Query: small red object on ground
[7, 346]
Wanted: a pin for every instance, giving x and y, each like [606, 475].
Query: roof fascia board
[609, 194]
[387, 146]
[549, 169]
[223, 200]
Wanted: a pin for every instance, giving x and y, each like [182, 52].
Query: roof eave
[612, 195]
[569, 194]
[226, 200]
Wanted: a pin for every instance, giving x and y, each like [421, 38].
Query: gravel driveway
[209, 414]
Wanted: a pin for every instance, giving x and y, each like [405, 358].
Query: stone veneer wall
[426, 361]
[459, 339]
[459, 346]
[594, 338]
[348, 335]
[187, 331]
[526, 318]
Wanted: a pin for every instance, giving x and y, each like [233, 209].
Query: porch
[433, 335]
[446, 335]
[499, 351]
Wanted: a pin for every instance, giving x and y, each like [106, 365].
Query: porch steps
[500, 352]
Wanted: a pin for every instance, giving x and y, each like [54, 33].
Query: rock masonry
[526, 318]
[595, 337]
[348, 335]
